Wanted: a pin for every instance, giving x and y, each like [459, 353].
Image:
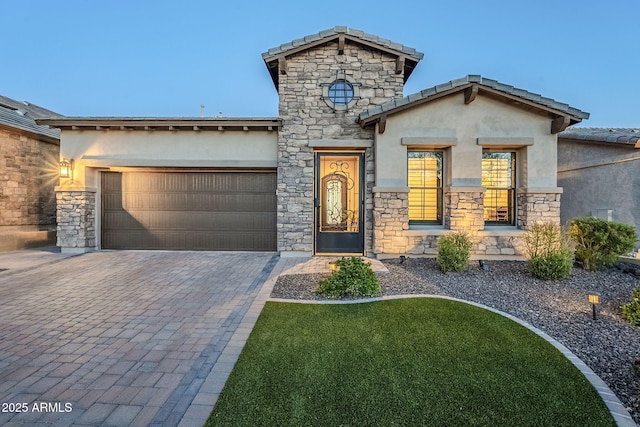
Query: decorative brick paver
[126, 338]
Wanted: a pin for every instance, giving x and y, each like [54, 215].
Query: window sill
[501, 230]
[425, 230]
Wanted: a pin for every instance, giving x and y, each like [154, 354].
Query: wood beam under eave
[196, 128]
[220, 128]
[340, 45]
[382, 124]
[282, 65]
[400, 60]
[172, 129]
[470, 94]
[559, 124]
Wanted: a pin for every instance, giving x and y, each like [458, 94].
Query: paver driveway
[119, 338]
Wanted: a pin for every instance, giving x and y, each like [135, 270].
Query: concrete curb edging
[616, 408]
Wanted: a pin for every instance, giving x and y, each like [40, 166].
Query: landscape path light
[594, 299]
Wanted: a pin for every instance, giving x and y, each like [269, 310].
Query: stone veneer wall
[76, 220]
[535, 207]
[463, 210]
[305, 116]
[28, 172]
[390, 219]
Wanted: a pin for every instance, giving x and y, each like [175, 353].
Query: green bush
[631, 310]
[599, 243]
[354, 278]
[453, 252]
[549, 251]
[554, 265]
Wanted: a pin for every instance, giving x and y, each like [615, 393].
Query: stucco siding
[450, 118]
[167, 149]
[599, 180]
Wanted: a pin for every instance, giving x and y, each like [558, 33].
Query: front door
[339, 203]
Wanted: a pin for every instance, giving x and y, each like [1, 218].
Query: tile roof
[336, 31]
[462, 83]
[22, 115]
[625, 136]
[163, 123]
[273, 55]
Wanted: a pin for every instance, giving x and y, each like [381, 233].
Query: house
[28, 174]
[350, 166]
[599, 170]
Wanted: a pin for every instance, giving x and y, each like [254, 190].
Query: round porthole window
[341, 93]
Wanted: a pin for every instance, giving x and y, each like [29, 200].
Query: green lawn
[412, 362]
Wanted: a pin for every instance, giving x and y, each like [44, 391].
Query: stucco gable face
[463, 131]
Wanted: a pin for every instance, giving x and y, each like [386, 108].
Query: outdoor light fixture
[594, 298]
[402, 259]
[483, 265]
[66, 168]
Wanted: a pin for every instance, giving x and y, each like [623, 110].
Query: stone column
[390, 219]
[76, 215]
[464, 209]
[538, 205]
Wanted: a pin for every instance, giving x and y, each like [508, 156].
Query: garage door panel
[193, 211]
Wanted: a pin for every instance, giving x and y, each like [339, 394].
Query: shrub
[353, 278]
[631, 310]
[554, 265]
[549, 251]
[635, 367]
[599, 243]
[453, 252]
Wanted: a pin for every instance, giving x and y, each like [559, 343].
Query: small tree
[599, 243]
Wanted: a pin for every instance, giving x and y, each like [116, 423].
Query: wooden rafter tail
[470, 94]
[400, 60]
[559, 124]
[382, 124]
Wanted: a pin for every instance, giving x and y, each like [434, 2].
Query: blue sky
[166, 58]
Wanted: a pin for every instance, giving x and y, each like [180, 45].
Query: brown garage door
[189, 210]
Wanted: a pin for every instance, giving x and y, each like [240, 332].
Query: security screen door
[339, 203]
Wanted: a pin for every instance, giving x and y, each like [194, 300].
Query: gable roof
[274, 57]
[624, 136]
[21, 115]
[471, 85]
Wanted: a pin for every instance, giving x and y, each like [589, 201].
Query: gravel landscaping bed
[608, 345]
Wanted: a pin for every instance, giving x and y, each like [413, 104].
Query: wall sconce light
[594, 299]
[66, 168]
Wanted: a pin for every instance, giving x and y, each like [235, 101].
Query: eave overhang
[164, 123]
[276, 58]
[562, 115]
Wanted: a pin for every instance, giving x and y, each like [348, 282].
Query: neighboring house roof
[275, 58]
[564, 115]
[21, 115]
[624, 136]
[164, 123]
